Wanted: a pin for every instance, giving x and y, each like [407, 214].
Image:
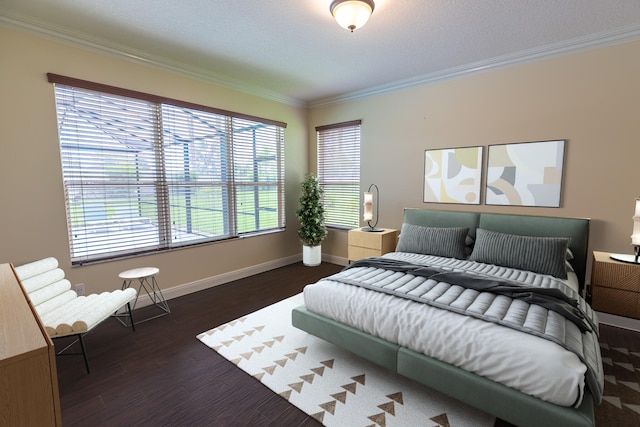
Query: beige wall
[591, 99]
[32, 212]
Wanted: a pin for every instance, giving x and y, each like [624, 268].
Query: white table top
[139, 273]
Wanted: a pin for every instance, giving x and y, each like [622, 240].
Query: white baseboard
[209, 282]
[335, 260]
[619, 321]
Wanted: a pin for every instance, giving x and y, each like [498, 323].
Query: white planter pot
[311, 255]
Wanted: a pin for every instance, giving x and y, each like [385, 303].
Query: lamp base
[372, 229]
[633, 259]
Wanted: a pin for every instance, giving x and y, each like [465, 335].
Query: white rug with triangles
[328, 383]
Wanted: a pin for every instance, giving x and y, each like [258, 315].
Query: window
[339, 172]
[145, 175]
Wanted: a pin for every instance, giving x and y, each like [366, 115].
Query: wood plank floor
[161, 375]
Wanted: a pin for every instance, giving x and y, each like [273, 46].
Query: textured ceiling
[293, 51]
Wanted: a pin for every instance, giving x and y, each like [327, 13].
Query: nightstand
[615, 286]
[364, 244]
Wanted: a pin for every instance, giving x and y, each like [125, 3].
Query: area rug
[328, 383]
[621, 400]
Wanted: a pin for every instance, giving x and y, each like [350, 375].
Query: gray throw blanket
[553, 314]
[550, 298]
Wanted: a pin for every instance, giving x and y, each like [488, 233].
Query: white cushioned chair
[63, 312]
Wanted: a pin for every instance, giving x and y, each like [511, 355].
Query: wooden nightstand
[615, 286]
[364, 244]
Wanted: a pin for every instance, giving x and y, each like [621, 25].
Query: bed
[380, 309]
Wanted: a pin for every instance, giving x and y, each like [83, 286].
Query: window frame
[340, 183]
[254, 162]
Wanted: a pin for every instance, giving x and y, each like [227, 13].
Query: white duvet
[530, 364]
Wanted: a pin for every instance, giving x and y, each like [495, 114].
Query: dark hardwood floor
[161, 375]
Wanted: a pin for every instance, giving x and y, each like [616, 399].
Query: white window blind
[143, 176]
[258, 175]
[339, 172]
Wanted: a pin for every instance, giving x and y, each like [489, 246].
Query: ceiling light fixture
[351, 14]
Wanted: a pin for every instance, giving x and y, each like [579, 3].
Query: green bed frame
[501, 401]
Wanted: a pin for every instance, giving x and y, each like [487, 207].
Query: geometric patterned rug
[328, 383]
[621, 401]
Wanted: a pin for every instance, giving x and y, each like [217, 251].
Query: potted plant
[311, 216]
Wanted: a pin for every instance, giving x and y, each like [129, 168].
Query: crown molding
[594, 41]
[113, 49]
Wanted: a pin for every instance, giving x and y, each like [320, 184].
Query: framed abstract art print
[525, 174]
[453, 175]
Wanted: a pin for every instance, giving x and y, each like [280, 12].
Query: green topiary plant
[311, 213]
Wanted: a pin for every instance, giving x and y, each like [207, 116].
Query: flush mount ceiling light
[351, 14]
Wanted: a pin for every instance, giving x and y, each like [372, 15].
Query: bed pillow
[468, 248]
[569, 267]
[569, 255]
[544, 255]
[445, 242]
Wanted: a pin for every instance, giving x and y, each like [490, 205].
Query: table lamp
[635, 239]
[368, 209]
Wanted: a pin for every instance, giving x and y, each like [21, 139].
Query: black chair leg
[84, 353]
[133, 325]
[63, 352]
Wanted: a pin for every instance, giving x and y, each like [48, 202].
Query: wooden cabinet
[615, 286]
[364, 244]
[28, 377]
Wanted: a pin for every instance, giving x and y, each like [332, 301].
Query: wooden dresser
[615, 286]
[364, 244]
[28, 377]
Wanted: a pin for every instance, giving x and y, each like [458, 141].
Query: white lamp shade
[368, 207]
[352, 14]
[635, 237]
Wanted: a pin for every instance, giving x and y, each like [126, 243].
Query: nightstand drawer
[365, 239]
[356, 253]
[615, 286]
[610, 273]
[364, 244]
[615, 301]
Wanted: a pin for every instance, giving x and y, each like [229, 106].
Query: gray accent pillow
[446, 242]
[569, 255]
[544, 255]
[468, 246]
[569, 267]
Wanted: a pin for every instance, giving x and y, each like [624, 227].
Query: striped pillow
[446, 242]
[544, 255]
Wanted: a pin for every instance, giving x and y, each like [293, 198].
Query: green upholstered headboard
[577, 229]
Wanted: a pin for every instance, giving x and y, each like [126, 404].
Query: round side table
[146, 277]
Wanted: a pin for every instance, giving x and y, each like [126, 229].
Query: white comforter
[524, 362]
